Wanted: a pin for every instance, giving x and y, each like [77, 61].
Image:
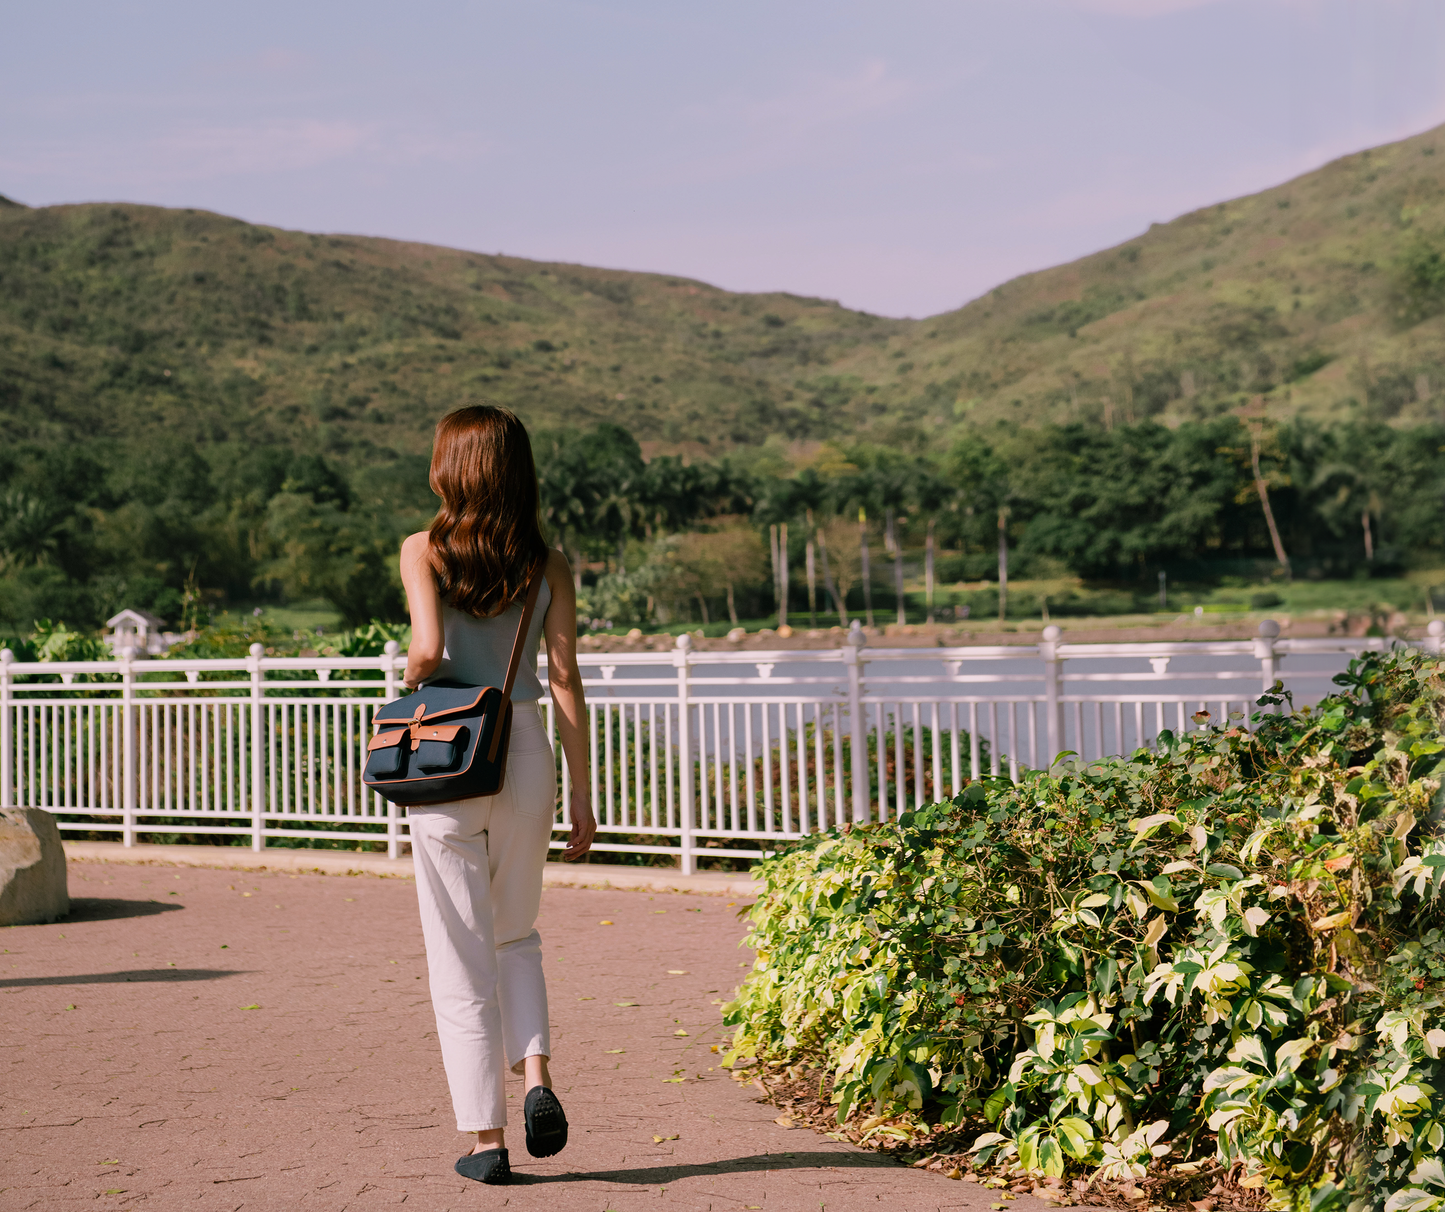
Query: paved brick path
[203, 1039]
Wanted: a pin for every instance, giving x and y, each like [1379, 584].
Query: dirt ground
[211, 1039]
[1123, 629]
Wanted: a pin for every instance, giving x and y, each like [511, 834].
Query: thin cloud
[277, 146]
[211, 151]
[810, 118]
[1138, 8]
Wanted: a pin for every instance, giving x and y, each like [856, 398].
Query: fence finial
[855, 634]
[257, 650]
[1269, 629]
[1052, 632]
[6, 656]
[684, 641]
[1435, 627]
[391, 648]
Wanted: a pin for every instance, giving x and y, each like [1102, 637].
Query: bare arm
[560, 630]
[428, 637]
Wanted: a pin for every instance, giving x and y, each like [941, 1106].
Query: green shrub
[1229, 946]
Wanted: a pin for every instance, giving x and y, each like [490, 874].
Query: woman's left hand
[584, 826]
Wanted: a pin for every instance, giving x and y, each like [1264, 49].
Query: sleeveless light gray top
[477, 650]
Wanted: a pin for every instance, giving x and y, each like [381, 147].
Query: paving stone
[224, 1040]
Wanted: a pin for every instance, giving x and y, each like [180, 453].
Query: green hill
[122, 321]
[1324, 294]
[116, 320]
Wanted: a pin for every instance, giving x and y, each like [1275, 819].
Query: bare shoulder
[559, 571]
[416, 549]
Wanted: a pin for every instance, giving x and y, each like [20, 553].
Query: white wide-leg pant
[479, 883]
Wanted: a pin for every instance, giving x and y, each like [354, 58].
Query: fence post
[258, 751]
[127, 745]
[1433, 633]
[393, 820]
[687, 863]
[1265, 654]
[857, 723]
[1053, 687]
[7, 734]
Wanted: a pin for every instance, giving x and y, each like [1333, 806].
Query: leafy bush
[1229, 946]
[1420, 280]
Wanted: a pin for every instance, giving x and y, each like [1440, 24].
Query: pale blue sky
[901, 156]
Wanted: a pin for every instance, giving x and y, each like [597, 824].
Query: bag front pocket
[440, 747]
[386, 755]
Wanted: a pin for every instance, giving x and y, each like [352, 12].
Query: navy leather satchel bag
[446, 740]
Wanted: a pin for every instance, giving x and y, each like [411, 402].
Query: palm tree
[31, 529]
[982, 477]
[931, 494]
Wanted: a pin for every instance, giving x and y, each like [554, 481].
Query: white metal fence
[693, 754]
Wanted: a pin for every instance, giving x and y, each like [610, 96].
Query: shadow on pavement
[121, 978]
[102, 909]
[661, 1175]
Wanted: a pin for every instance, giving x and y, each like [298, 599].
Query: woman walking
[479, 861]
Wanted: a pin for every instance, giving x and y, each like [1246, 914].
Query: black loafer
[546, 1125]
[490, 1166]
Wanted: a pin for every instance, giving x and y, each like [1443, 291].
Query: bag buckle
[415, 726]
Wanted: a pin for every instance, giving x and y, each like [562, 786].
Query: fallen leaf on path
[586, 999]
[70, 1007]
[677, 972]
[624, 1003]
[111, 1161]
[955, 1173]
[784, 1120]
[252, 1006]
[680, 1031]
[604, 923]
[616, 1051]
[673, 1081]
[657, 1140]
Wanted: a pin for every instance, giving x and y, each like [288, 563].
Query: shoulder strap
[534, 587]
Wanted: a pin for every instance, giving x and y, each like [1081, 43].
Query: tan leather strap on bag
[534, 587]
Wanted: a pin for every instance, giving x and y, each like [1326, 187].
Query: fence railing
[693, 754]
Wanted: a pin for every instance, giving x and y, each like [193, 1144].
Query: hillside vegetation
[122, 321]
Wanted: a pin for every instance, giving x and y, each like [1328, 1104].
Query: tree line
[835, 533]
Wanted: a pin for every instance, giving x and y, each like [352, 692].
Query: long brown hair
[487, 536]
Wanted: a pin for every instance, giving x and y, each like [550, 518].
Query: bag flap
[439, 699]
[385, 740]
[439, 732]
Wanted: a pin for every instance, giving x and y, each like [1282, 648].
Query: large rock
[32, 868]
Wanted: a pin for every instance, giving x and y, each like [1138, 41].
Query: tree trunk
[928, 569]
[702, 605]
[1002, 564]
[1369, 537]
[577, 570]
[1262, 487]
[783, 574]
[773, 551]
[838, 602]
[896, 551]
[732, 606]
[812, 584]
[866, 577]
